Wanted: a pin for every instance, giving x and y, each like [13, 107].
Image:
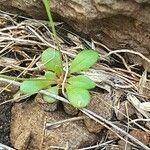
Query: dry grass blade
[136, 103]
[145, 106]
[129, 51]
[142, 82]
[5, 147]
[66, 120]
[97, 146]
[87, 112]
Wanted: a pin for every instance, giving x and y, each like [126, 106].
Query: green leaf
[81, 81]
[51, 59]
[83, 61]
[50, 76]
[78, 97]
[53, 90]
[33, 86]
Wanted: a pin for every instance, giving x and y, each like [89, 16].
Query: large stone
[85, 15]
[101, 104]
[28, 129]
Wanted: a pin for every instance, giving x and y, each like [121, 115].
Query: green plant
[76, 86]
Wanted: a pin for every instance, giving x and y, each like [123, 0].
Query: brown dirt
[29, 120]
[5, 118]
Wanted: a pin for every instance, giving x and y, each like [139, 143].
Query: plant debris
[117, 101]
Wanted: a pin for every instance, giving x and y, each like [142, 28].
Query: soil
[5, 118]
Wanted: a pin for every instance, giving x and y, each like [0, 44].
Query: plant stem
[21, 79]
[51, 22]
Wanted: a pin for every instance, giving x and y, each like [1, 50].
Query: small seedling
[76, 86]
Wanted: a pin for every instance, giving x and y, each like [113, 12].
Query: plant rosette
[76, 86]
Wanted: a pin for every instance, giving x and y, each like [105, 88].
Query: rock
[75, 133]
[142, 136]
[83, 15]
[44, 105]
[93, 126]
[70, 109]
[27, 116]
[30, 117]
[125, 110]
[112, 136]
[118, 32]
[122, 144]
[22, 141]
[33, 8]
[101, 105]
